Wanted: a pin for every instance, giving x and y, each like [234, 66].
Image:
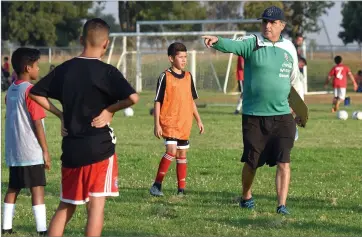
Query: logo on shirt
[286, 56]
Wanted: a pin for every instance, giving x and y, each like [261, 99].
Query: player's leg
[240, 100]
[341, 97]
[254, 143]
[9, 209]
[95, 211]
[39, 211]
[335, 99]
[166, 160]
[181, 165]
[62, 216]
[16, 183]
[72, 194]
[285, 130]
[101, 181]
[36, 175]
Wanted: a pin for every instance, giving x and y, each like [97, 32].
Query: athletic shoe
[181, 192]
[156, 190]
[249, 204]
[282, 210]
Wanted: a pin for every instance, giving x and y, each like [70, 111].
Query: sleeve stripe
[162, 76]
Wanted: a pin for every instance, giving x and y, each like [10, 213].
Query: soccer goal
[210, 69]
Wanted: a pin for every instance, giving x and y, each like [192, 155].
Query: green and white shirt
[270, 70]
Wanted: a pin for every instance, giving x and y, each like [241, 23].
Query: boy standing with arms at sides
[240, 77]
[339, 74]
[174, 109]
[26, 150]
[90, 92]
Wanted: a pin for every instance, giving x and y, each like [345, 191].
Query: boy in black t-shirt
[90, 92]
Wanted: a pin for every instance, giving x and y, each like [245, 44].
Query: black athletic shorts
[181, 144]
[267, 139]
[26, 176]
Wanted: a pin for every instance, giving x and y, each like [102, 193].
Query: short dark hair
[97, 25]
[176, 47]
[299, 35]
[359, 73]
[23, 57]
[6, 58]
[338, 59]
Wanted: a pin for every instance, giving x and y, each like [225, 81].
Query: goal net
[141, 57]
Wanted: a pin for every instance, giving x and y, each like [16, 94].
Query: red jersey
[240, 69]
[6, 67]
[339, 74]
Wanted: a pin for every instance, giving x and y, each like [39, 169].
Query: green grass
[324, 199]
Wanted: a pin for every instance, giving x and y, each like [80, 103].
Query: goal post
[200, 62]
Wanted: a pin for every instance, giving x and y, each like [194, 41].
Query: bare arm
[122, 104]
[198, 119]
[156, 114]
[40, 135]
[327, 81]
[47, 105]
[106, 115]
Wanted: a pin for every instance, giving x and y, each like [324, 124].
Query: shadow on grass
[280, 222]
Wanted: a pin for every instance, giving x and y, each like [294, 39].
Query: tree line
[60, 23]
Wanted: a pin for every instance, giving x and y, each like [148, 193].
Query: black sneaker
[237, 112]
[42, 233]
[9, 232]
[181, 192]
[248, 204]
[282, 210]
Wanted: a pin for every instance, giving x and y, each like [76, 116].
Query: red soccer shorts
[97, 180]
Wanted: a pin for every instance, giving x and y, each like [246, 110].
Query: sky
[332, 20]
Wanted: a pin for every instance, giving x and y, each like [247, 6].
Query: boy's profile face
[33, 70]
[179, 61]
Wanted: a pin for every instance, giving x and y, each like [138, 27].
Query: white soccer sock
[240, 104]
[40, 217]
[8, 214]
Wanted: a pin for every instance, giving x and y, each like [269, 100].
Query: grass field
[325, 196]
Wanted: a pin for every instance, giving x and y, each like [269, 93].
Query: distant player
[240, 78]
[26, 150]
[173, 115]
[6, 67]
[90, 92]
[339, 74]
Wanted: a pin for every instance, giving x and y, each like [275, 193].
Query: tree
[254, 10]
[222, 10]
[303, 16]
[351, 23]
[42, 23]
[131, 12]
[70, 27]
[109, 18]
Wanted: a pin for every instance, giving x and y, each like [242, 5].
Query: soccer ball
[128, 112]
[357, 115]
[342, 115]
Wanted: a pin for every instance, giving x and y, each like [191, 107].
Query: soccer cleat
[42, 233]
[181, 192]
[282, 210]
[249, 204]
[9, 232]
[156, 190]
[237, 112]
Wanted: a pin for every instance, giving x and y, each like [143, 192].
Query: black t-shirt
[161, 85]
[84, 87]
